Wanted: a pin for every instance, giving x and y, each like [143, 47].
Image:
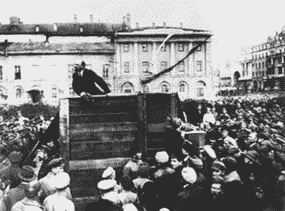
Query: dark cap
[55, 162]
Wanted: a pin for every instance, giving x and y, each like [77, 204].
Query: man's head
[80, 66]
[33, 189]
[175, 163]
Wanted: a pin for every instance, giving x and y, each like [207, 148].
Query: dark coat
[86, 83]
[191, 198]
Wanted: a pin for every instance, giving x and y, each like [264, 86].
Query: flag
[150, 79]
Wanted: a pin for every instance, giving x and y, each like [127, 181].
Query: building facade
[138, 54]
[123, 59]
[264, 70]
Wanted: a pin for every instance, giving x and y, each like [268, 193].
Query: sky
[234, 24]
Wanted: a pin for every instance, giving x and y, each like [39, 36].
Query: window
[180, 47]
[18, 93]
[146, 89]
[163, 65]
[71, 91]
[105, 71]
[182, 88]
[200, 89]
[70, 69]
[127, 67]
[144, 47]
[266, 54]
[259, 66]
[279, 70]
[127, 88]
[181, 67]
[17, 72]
[262, 64]
[144, 66]
[199, 66]
[1, 73]
[164, 88]
[126, 47]
[243, 73]
[54, 93]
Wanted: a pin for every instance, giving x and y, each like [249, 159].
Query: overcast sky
[234, 24]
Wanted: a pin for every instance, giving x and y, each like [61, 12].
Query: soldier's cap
[27, 174]
[61, 180]
[189, 175]
[109, 171]
[161, 157]
[210, 152]
[106, 184]
[55, 162]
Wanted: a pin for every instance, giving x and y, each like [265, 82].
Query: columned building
[138, 56]
[121, 55]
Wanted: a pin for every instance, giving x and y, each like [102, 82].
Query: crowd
[239, 166]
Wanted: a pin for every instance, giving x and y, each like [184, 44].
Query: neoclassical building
[124, 58]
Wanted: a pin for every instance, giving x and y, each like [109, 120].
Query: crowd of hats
[20, 136]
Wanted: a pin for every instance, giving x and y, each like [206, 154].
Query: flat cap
[106, 184]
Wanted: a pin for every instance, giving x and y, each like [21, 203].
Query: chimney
[137, 25]
[91, 18]
[153, 25]
[124, 20]
[129, 20]
[181, 25]
[164, 24]
[75, 18]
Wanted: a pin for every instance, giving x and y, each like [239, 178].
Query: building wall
[46, 72]
[171, 54]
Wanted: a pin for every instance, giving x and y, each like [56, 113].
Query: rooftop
[41, 47]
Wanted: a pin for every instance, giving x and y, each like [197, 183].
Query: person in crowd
[12, 172]
[60, 199]
[131, 168]
[127, 195]
[142, 176]
[191, 194]
[31, 202]
[208, 117]
[26, 175]
[110, 173]
[86, 82]
[55, 167]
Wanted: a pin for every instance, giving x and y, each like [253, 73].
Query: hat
[15, 157]
[61, 180]
[55, 162]
[210, 152]
[143, 168]
[129, 207]
[106, 184]
[27, 174]
[218, 165]
[161, 157]
[108, 172]
[189, 175]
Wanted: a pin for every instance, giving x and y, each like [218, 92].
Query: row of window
[258, 73]
[19, 93]
[17, 72]
[163, 65]
[145, 47]
[258, 65]
[128, 88]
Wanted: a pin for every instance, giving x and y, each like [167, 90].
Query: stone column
[172, 58]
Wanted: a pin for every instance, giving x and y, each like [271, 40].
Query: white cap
[161, 157]
[108, 172]
[61, 180]
[106, 184]
[210, 151]
[129, 207]
[189, 175]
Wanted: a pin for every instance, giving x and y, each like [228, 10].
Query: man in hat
[55, 166]
[60, 199]
[109, 199]
[26, 175]
[192, 193]
[12, 172]
[86, 82]
[31, 201]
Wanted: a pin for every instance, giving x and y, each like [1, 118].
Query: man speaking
[86, 82]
